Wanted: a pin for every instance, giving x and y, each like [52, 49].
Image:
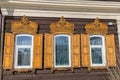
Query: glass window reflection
[97, 50]
[96, 55]
[24, 40]
[23, 56]
[61, 50]
[95, 41]
[23, 51]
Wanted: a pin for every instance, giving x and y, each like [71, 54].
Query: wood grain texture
[8, 51]
[85, 50]
[76, 51]
[110, 49]
[48, 51]
[37, 56]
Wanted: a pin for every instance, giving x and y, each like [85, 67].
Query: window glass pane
[62, 50]
[24, 56]
[96, 54]
[24, 40]
[95, 41]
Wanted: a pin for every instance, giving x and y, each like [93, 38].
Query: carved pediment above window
[24, 26]
[96, 27]
[62, 26]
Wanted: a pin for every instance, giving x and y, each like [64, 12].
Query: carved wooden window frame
[98, 28]
[23, 26]
[23, 46]
[61, 27]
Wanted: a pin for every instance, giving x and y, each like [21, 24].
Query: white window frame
[69, 42]
[23, 46]
[102, 48]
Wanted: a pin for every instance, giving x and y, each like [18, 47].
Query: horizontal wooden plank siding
[46, 74]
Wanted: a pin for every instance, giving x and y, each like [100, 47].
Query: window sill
[62, 69]
[96, 67]
[23, 70]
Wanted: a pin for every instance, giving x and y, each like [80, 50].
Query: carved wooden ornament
[24, 26]
[62, 26]
[96, 27]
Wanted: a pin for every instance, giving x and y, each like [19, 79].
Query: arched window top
[24, 39]
[65, 35]
[18, 35]
[96, 36]
[96, 40]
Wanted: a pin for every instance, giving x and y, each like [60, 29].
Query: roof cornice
[80, 6]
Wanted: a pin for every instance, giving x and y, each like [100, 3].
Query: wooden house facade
[57, 45]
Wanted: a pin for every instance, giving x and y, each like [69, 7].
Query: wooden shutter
[8, 51]
[49, 50]
[110, 49]
[76, 51]
[85, 50]
[37, 55]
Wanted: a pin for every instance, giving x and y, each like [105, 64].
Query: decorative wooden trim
[110, 50]
[97, 68]
[75, 56]
[101, 67]
[48, 50]
[22, 71]
[62, 26]
[85, 50]
[62, 69]
[96, 27]
[24, 26]
[37, 51]
[8, 51]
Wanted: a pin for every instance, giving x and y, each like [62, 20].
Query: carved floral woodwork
[96, 27]
[24, 26]
[62, 26]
